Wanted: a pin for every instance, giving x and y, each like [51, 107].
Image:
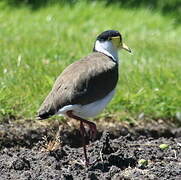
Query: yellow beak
[125, 47]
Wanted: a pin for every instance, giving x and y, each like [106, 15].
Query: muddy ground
[31, 151]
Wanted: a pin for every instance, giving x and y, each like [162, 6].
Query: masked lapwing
[86, 86]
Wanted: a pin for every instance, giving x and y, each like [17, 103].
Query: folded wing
[82, 82]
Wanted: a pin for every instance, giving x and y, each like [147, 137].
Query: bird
[86, 86]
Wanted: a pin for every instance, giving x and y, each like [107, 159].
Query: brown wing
[82, 82]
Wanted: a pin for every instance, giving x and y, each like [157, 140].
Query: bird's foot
[85, 163]
[81, 162]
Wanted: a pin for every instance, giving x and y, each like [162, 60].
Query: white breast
[89, 110]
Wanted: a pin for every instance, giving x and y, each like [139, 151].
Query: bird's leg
[92, 126]
[93, 131]
[83, 133]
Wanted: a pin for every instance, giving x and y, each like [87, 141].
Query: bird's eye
[109, 38]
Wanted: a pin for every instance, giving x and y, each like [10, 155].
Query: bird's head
[109, 42]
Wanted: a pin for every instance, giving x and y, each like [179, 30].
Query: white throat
[107, 48]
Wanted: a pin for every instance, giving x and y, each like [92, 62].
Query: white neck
[107, 48]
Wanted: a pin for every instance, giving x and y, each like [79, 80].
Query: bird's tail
[45, 112]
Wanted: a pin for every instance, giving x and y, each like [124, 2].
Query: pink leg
[83, 133]
[92, 126]
[93, 131]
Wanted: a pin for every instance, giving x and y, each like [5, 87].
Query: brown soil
[30, 150]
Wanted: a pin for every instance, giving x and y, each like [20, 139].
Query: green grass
[35, 46]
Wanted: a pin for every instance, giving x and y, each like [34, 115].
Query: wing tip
[43, 115]
[38, 118]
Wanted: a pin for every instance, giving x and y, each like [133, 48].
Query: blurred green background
[39, 38]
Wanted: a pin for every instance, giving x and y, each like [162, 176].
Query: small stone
[142, 162]
[164, 146]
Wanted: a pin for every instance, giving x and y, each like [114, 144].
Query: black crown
[106, 35]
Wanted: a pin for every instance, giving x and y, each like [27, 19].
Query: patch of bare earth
[49, 150]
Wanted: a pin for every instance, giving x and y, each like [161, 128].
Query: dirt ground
[31, 151]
